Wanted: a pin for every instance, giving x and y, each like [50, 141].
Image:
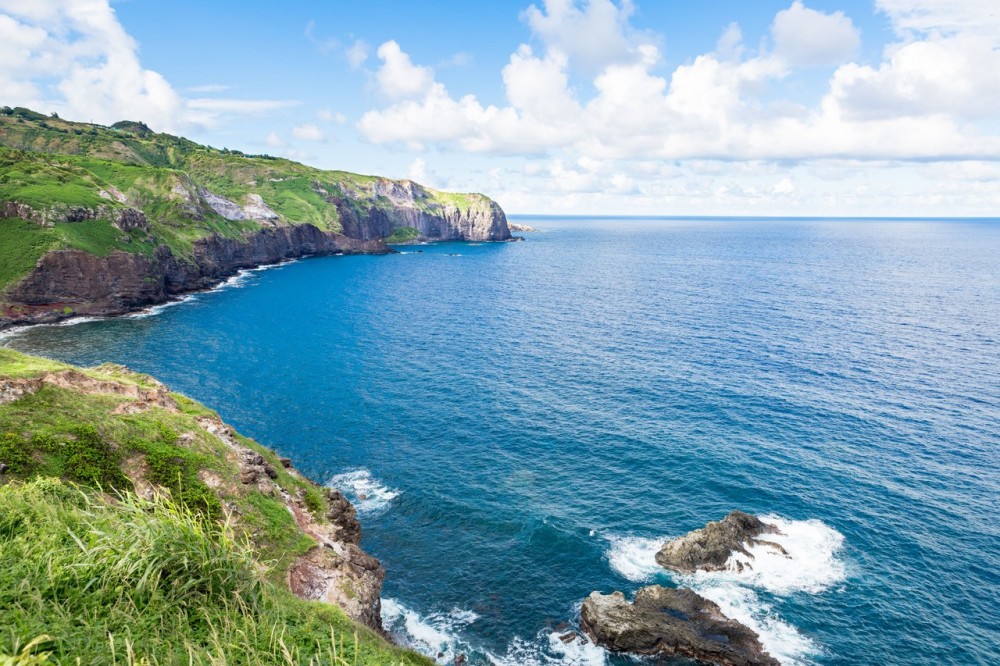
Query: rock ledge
[672, 623]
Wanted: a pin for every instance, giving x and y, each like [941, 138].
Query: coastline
[55, 314]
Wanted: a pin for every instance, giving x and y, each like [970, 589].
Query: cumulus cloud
[75, 58]
[398, 77]
[805, 36]
[943, 16]
[308, 132]
[956, 76]
[915, 104]
[592, 35]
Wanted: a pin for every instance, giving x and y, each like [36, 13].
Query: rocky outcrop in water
[709, 548]
[673, 623]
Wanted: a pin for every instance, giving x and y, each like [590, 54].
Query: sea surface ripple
[524, 423]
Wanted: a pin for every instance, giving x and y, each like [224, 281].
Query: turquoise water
[522, 423]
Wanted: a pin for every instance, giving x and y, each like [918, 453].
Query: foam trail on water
[369, 496]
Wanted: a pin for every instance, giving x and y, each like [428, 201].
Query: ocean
[520, 424]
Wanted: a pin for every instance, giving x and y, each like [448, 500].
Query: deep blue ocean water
[523, 423]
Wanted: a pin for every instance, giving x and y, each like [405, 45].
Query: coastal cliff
[177, 520]
[102, 220]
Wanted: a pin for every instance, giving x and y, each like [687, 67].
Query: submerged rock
[709, 548]
[672, 623]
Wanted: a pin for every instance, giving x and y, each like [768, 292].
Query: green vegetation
[22, 244]
[403, 235]
[53, 165]
[194, 573]
[136, 581]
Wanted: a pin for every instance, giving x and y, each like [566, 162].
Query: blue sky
[876, 107]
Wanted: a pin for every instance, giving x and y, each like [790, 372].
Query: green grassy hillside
[53, 166]
[127, 534]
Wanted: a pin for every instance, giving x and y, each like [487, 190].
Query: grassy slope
[48, 162]
[171, 578]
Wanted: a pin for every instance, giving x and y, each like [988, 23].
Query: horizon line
[912, 218]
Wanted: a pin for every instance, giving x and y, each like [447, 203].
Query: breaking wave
[368, 495]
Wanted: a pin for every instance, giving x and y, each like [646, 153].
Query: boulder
[709, 548]
[675, 623]
[344, 575]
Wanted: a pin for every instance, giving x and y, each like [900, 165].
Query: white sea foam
[810, 564]
[548, 649]
[635, 557]
[781, 640]
[77, 320]
[435, 635]
[369, 496]
[73, 321]
[439, 636]
[157, 309]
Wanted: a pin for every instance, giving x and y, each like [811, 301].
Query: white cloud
[308, 132]
[240, 105]
[274, 140]
[357, 53]
[720, 105]
[979, 17]
[328, 116]
[805, 36]
[419, 173]
[209, 88]
[958, 77]
[75, 58]
[398, 77]
[92, 60]
[460, 59]
[593, 36]
[323, 44]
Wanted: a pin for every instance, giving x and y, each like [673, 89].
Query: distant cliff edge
[101, 220]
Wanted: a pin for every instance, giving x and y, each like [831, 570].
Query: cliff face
[123, 281]
[100, 220]
[471, 217]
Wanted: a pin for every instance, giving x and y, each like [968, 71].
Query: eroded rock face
[709, 548]
[341, 574]
[121, 282]
[483, 220]
[673, 623]
[343, 517]
[14, 389]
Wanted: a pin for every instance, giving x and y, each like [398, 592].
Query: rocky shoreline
[73, 283]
